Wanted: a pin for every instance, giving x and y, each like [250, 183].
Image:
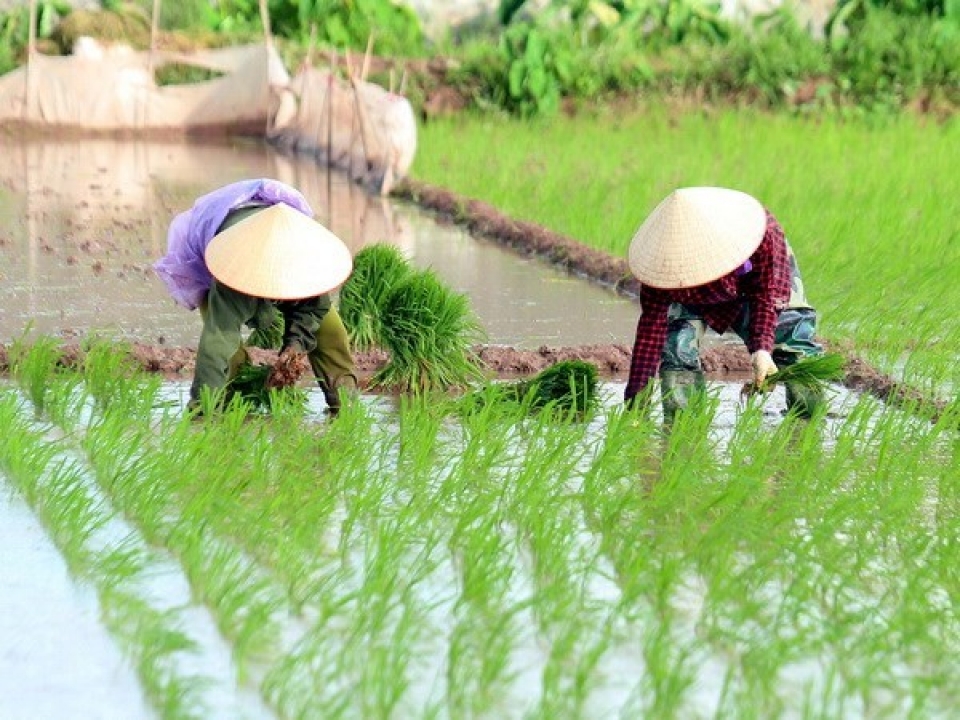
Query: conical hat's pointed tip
[279, 253]
[696, 235]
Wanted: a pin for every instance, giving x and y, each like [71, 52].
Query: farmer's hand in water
[763, 366]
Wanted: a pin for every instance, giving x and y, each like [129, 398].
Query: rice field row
[423, 563]
[871, 208]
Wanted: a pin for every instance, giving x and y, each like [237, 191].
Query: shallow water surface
[56, 658]
[81, 223]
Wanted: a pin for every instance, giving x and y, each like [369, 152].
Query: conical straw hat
[695, 236]
[280, 254]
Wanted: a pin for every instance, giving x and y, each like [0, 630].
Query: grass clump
[429, 336]
[377, 269]
[569, 386]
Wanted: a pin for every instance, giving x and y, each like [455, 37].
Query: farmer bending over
[716, 257]
[241, 254]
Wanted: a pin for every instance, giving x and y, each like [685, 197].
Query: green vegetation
[875, 55]
[536, 567]
[429, 331]
[876, 240]
[377, 269]
[568, 386]
[249, 385]
[813, 373]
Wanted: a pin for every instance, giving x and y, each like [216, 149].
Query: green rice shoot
[377, 269]
[815, 373]
[270, 338]
[250, 385]
[568, 386]
[429, 336]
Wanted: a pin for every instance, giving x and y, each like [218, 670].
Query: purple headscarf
[183, 269]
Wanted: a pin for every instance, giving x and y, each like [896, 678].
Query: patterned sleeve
[768, 290]
[648, 344]
[302, 318]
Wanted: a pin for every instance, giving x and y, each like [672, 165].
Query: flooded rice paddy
[405, 561]
[81, 222]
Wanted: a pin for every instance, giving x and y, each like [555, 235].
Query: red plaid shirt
[765, 288]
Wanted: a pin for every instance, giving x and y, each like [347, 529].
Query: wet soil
[502, 362]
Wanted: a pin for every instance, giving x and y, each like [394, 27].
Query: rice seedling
[251, 385]
[56, 489]
[107, 365]
[270, 338]
[423, 562]
[874, 201]
[430, 334]
[33, 365]
[377, 269]
[566, 387]
[814, 373]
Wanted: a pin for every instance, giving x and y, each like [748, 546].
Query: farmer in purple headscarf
[244, 253]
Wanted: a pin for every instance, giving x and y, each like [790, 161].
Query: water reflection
[82, 221]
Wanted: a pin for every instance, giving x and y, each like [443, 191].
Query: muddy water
[81, 222]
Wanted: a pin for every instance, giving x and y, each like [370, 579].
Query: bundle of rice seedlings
[253, 383]
[815, 373]
[429, 331]
[377, 269]
[272, 337]
[567, 386]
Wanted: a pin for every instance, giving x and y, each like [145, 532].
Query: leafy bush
[536, 69]
[341, 23]
[893, 59]
[129, 25]
[15, 30]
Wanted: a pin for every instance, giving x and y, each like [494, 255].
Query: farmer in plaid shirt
[716, 257]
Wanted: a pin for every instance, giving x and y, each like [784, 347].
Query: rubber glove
[763, 365]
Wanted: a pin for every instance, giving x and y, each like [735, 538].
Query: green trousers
[331, 360]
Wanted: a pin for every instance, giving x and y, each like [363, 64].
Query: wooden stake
[331, 81]
[31, 50]
[265, 21]
[366, 58]
[151, 60]
[308, 61]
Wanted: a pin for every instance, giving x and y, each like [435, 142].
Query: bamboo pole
[154, 25]
[31, 50]
[268, 41]
[151, 58]
[366, 58]
[308, 60]
[331, 85]
[306, 66]
[353, 116]
[322, 107]
[265, 21]
[331, 82]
